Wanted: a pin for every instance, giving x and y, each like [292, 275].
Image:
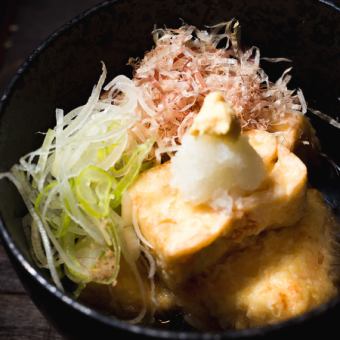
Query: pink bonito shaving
[186, 64]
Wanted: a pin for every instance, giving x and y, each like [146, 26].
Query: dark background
[24, 24]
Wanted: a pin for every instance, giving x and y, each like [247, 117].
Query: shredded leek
[93, 188]
[74, 183]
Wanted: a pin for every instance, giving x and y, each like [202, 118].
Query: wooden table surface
[19, 318]
[31, 22]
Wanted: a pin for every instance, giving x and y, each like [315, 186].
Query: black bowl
[62, 71]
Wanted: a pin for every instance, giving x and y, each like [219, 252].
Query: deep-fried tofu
[285, 273]
[187, 238]
[293, 129]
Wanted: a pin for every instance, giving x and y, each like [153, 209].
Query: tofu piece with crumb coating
[187, 238]
[283, 274]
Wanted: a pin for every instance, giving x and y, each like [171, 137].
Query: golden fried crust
[265, 144]
[186, 238]
[285, 273]
[294, 129]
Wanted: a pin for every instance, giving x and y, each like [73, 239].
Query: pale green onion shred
[73, 187]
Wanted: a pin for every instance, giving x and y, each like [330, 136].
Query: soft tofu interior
[284, 273]
[187, 238]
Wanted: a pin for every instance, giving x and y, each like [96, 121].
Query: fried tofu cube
[266, 145]
[293, 129]
[187, 238]
[283, 274]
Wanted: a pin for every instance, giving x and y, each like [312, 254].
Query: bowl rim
[67, 298]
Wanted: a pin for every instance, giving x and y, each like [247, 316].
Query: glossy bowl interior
[63, 70]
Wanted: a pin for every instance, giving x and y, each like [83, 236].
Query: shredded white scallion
[73, 184]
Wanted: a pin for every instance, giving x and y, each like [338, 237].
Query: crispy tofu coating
[187, 238]
[292, 130]
[283, 274]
